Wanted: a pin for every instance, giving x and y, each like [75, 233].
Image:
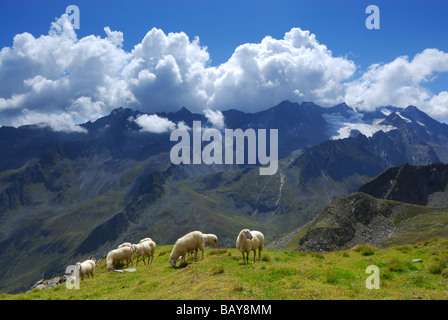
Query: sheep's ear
[244, 236]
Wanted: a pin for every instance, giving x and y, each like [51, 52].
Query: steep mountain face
[66, 196]
[422, 185]
[363, 219]
[339, 159]
[428, 129]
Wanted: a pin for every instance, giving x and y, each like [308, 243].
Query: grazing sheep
[248, 241]
[210, 239]
[117, 255]
[145, 248]
[124, 244]
[86, 268]
[153, 245]
[145, 239]
[189, 242]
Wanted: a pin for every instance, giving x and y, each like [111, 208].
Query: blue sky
[407, 28]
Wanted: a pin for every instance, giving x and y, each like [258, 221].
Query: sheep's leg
[195, 254]
[202, 254]
[255, 253]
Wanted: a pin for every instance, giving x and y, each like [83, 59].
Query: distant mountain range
[66, 196]
[299, 125]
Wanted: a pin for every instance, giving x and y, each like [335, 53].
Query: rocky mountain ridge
[403, 200]
[421, 185]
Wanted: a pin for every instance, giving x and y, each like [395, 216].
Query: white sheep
[86, 268]
[248, 241]
[117, 255]
[189, 242]
[145, 239]
[210, 238]
[124, 244]
[145, 248]
[153, 245]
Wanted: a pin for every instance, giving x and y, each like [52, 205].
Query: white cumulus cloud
[153, 123]
[58, 75]
[215, 117]
[57, 122]
[260, 75]
[401, 83]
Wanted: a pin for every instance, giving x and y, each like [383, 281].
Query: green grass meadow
[279, 275]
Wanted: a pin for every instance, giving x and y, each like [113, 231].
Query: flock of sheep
[246, 242]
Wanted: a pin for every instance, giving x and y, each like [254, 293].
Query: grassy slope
[67, 230]
[280, 275]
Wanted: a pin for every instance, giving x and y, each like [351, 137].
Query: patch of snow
[282, 182]
[343, 127]
[404, 118]
[421, 123]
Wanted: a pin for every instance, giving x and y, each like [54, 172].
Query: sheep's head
[246, 234]
[173, 262]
